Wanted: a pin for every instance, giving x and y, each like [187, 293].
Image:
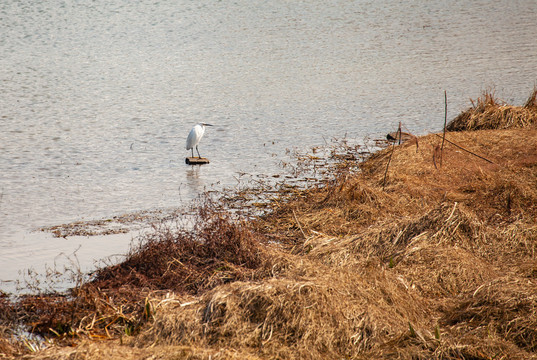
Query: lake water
[97, 98]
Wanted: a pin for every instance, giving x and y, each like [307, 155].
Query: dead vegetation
[118, 224]
[489, 112]
[219, 249]
[429, 263]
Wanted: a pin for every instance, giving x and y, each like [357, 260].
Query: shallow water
[97, 98]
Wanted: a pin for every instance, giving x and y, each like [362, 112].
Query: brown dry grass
[435, 263]
[220, 249]
[488, 112]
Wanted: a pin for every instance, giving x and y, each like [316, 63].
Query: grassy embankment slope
[436, 261]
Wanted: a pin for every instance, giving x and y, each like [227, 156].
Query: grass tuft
[489, 112]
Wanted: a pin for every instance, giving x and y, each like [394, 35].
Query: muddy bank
[417, 252]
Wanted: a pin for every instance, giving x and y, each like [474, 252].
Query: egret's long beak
[207, 124]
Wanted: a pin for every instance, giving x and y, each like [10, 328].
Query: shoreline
[416, 253]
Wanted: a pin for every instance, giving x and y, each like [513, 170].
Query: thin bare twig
[445, 123]
[468, 151]
[391, 154]
[299, 226]
[436, 155]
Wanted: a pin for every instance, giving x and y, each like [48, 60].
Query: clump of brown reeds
[504, 307]
[344, 205]
[307, 311]
[488, 112]
[217, 250]
[9, 346]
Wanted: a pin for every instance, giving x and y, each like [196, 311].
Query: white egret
[195, 136]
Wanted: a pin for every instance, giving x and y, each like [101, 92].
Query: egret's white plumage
[195, 136]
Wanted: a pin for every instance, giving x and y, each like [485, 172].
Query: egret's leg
[199, 156]
[192, 152]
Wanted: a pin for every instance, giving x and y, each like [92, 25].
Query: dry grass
[305, 311]
[488, 112]
[435, 263]
[218, 250]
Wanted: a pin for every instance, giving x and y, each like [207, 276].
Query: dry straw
[488, 112]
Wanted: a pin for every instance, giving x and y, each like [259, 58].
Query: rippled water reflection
[98, 97]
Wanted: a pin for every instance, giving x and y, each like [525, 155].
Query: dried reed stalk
[391, 154]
